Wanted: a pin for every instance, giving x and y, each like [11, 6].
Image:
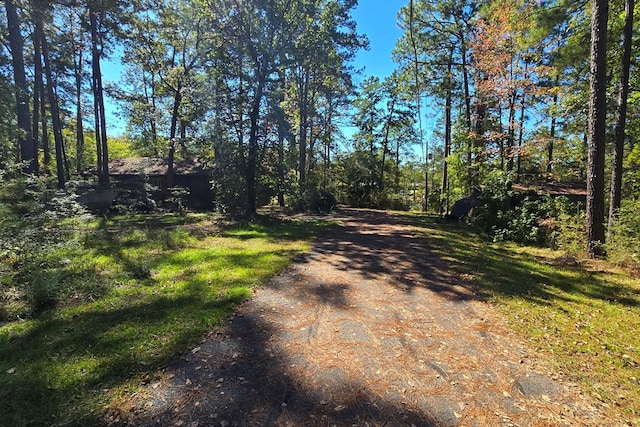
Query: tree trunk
[327, 161]
[281, 168]
[65, 159]
[502, 138]
[98, 99]
[595, 232]
[426, 178]
[55, 119]
[416, 75]
[46, 146]
[520, 139]
[311, 147]
[444, 209]
[621, 119]
[511, 132]
[283, 131]
[53, 101]
[78, 66]
[252, 156]
[38, 93]
[96, 125]
[303, 87]
[552, 131]
[152, 120]
[478, 140]
[465, 79]
[177, 100]
[26, 142]
[183, 139]
[385, 143]
[467, 108]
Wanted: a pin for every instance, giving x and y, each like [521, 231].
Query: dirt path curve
[367, 329]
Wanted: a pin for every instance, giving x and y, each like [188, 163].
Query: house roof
[554, 188]
[154, 166]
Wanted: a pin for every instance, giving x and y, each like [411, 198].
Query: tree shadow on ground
[237, 377]
[67, 361]
[242, 376]
[380, 246]
[500, 270]
[246, 374]
[95, 350]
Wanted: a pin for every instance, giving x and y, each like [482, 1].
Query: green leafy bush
[135, 197]
[315, 200]
[624, 245]
[33, 247]
[569, 234]
[178, 200]
[44, 286]
[229, 185]
[529, 219]
[490, 214]
[388, 200]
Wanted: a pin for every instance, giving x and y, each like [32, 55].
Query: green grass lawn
[583, 317]
[134, 293]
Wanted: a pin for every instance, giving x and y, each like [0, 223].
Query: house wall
[200, 192]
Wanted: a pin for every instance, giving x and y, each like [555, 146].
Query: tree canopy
[264, 90]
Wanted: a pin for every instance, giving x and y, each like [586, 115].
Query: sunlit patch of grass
[142, 291]
[583, 316]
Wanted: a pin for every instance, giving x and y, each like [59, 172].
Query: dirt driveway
[367, 329]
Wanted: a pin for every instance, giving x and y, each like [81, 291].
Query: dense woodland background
[501, 100]
[264, 90]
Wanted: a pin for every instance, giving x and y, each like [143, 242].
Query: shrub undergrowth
[37, 233]
[502, 215]
[624, 245]
[554, 222]
[124, 296]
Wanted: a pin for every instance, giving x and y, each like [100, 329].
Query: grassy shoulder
[584, 316]
[136, 292]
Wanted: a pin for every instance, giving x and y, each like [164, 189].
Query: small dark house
[191, 174]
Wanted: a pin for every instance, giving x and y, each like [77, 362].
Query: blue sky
[375, 18]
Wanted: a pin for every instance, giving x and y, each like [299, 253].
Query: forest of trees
[520, 91]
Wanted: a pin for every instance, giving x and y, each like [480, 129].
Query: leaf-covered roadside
[582, 315]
